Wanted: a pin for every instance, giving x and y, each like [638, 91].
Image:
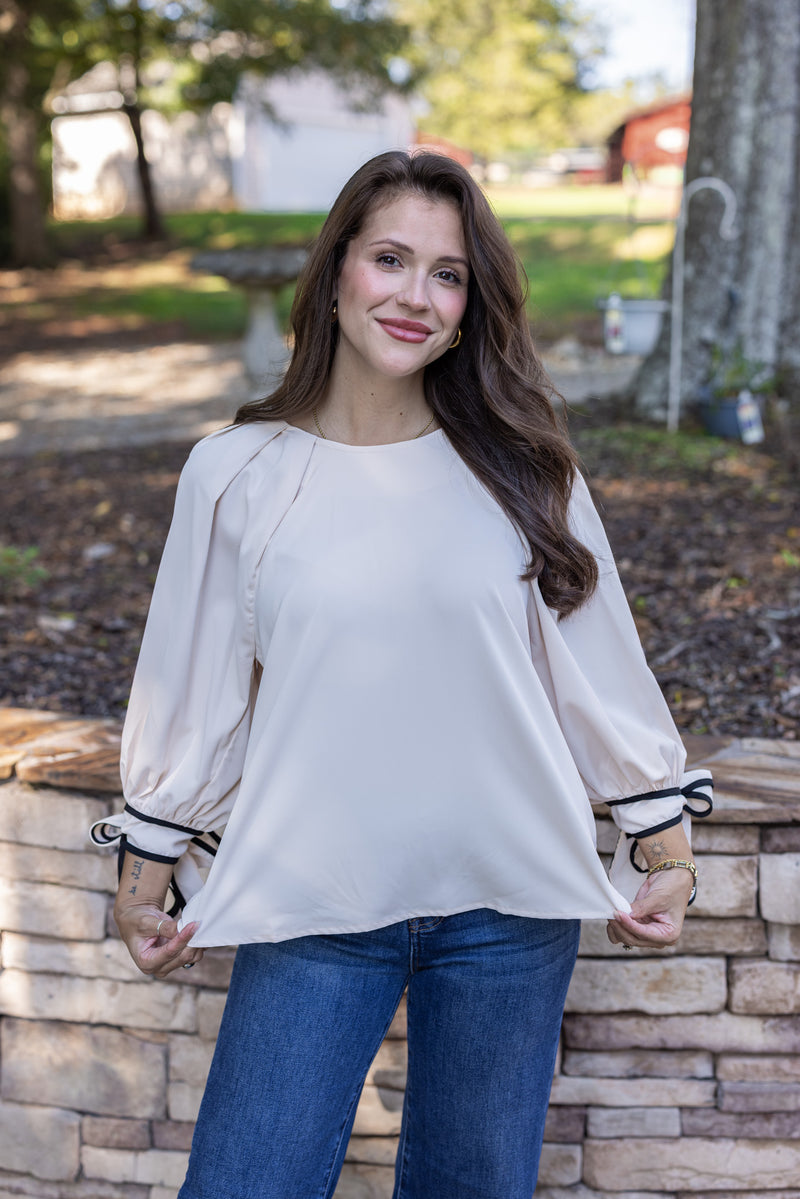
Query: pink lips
[403, 330]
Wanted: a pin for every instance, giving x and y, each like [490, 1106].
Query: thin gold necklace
[414, 438]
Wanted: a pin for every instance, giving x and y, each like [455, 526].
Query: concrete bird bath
[262, 272]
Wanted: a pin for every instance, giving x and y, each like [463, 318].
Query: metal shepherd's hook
[726, 231]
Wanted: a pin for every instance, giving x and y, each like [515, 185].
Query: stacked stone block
[678, 1076]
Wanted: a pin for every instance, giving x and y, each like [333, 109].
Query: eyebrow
[399, 245]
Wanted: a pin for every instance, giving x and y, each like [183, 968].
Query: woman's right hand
[152, 937]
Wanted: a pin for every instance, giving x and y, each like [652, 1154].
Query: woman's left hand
[657, 912]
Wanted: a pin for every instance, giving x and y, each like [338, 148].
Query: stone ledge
[154, 1167]
[106, 1132]
[760, 1097]
[61, 751]
[144, 1005]
[754, 777]
[23, 1186]
[52, 911]
[765, 988]
[633, 1092]
[42, 1141]
[701, 1122]
[693, 1164]
[733, 1067]
[755, 780]
[652, 985]
[724, 1032]
[47, 818]
[624, 1122]
[638, 1063]
[99, 1070]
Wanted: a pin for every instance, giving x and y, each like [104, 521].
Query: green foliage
[19, 569]
[569, 264]
[207, 45]
[732, 371]
[172, 53]
[206, 230]
[647, 450]
[499, 75]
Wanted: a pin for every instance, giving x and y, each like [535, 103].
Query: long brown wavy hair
[491, 394]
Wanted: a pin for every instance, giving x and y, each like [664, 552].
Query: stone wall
[679, 1074]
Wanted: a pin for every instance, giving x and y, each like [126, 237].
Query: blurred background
[163, 168]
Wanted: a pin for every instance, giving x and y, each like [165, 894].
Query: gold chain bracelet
[673, 864]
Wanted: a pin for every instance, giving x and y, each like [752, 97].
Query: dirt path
[57, 401]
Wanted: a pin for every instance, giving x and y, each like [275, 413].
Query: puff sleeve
[188, 719]
[608, 704]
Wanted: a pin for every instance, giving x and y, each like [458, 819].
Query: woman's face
[402, 288]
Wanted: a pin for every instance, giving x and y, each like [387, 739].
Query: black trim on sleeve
[658, 828]
[123, 841]
[145, 853]
[178, 900]
[99, 835]
[210, 849]
[180, 828]
[694, 790]
[665, 794]
[632, 855]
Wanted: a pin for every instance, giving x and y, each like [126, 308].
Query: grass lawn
[573, 242]
[645, 203]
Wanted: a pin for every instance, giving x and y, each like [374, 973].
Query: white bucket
[631, 326]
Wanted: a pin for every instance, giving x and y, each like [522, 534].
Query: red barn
[651, 137]
[440, 145]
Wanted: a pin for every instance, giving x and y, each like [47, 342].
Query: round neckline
[385, 445]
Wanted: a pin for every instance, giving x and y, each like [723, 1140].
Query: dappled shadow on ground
[115, 396]
[707, 540]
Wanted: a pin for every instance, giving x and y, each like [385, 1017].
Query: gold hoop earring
[457, 341]
[334, 313]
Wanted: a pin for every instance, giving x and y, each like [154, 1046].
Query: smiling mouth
[403, 330]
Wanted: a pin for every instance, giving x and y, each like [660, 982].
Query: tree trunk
[28, 231]
[745, 130]
[153, 226]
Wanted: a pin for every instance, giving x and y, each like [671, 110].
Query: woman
[389, 654]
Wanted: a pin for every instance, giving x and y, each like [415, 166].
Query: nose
[414, 293]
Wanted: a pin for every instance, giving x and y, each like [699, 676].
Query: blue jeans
[305, 1018]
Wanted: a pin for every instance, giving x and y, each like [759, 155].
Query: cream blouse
[344, 672]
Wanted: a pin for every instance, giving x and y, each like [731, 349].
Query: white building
[285, 145]
[298, 160]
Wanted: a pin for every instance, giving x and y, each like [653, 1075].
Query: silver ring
[158, 926]
[188, 965]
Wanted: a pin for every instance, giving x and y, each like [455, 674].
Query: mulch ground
[709, 552]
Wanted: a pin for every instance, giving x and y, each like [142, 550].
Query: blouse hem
[344, 929]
